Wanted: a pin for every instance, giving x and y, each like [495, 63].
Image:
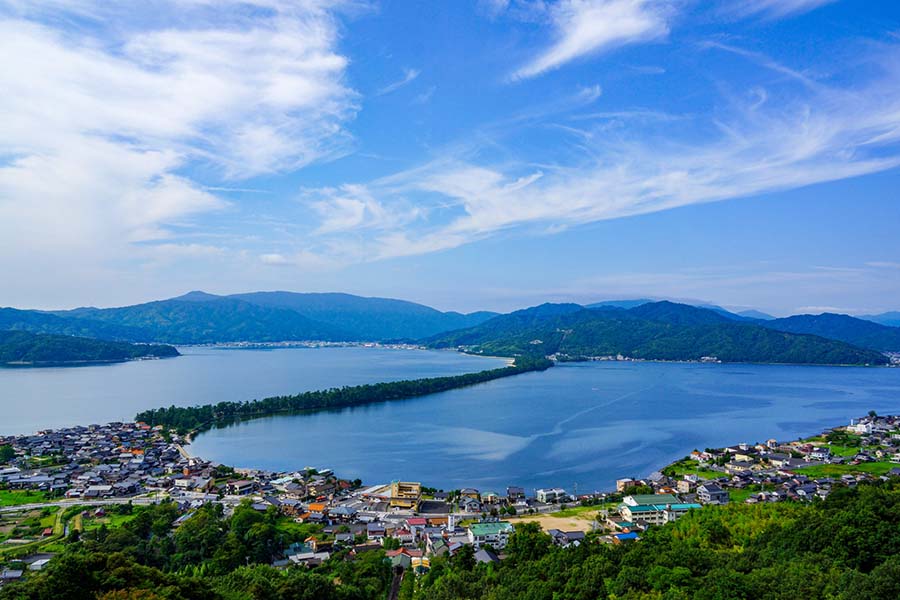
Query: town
[57, 482]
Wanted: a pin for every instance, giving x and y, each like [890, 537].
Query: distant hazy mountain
[679, 314]
[659, 330]
[619, 303]
[858, 332]
[891, 319]
[368, 318]
[198, 317]
[756, 315]
[23, 347]
[747, 315]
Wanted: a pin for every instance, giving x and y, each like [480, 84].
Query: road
[142, 500]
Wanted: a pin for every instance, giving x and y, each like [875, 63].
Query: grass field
[738, 496]
[843, 450]
[88, 523]
[582, 512]
[19, 497]
[873, 468]
[691, 467]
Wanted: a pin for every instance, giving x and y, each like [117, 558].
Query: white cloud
[774, 9]
[814, 134]
[585, 27]
[409, 75]
[104, 124]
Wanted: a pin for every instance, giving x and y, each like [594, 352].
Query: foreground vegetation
[847, 546]
[203, 417]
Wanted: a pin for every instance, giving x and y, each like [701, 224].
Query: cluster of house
[770, 470]
[125, 459]
[94, 461]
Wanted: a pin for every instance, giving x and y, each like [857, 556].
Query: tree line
[192, 418]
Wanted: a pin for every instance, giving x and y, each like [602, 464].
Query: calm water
[588, 423]
[33, 399]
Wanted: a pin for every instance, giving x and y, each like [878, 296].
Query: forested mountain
[198, 317]
[197, 320]
[858, 332]
[661, 331]
[22, 347]
[12, 319]
[755, 314]
[368, 318]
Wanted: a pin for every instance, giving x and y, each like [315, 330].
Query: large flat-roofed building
[654, 509]
[405, 494]
[495, 533]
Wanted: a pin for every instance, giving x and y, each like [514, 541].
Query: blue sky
[468, 155]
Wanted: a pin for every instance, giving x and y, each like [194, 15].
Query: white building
[550, 495]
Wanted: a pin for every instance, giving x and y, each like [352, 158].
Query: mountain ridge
[657, 331]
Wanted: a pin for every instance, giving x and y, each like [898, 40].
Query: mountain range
[198, 318]
[658, 331]
[201, 318]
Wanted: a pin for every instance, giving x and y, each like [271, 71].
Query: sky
[487, 154]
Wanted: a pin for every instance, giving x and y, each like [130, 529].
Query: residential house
[495, 533]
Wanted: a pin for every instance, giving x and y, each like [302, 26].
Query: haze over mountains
[638, 328]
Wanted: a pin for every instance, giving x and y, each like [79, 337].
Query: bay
[50, 397]
[578, 425]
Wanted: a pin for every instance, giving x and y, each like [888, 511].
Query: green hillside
[858, 332]
[658, 331]
[217, 319]
[22, 347]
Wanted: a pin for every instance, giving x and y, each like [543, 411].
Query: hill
[13, 319]
[657, 331]
[22, 347]
[198, 317]
[858, 332]
[368, 318]
[891, 319]
[755, 314]
[198, 320]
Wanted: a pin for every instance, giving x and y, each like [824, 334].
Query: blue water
[583, 424]
[39, 398]
[586, 423]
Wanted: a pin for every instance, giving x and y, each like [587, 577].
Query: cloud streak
[774, 9]
[586, 27]
[820, 134]
[409, 75]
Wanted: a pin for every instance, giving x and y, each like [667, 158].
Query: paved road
[143, 500]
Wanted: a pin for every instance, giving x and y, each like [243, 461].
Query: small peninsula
[26, 349]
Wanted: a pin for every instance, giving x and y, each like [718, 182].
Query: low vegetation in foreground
[847, 546]
[201, 417]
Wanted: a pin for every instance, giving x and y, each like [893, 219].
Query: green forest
[36, 348]
[207, 415]
[660, 331]
[845, 547]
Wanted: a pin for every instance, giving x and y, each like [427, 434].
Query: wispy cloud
[815, 134]
[773, 9]
[409, 75]
[101, 121]
[586, 27]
